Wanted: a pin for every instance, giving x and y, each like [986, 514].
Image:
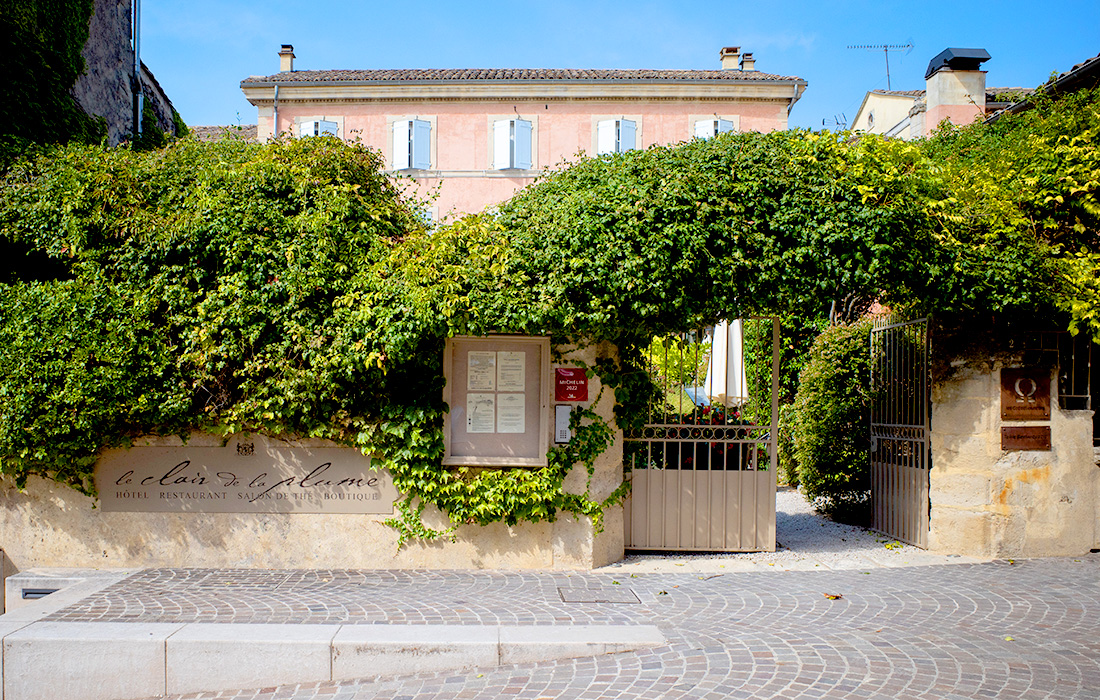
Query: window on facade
[318, 127]
[705, 128]
[412, 141]
[615, 136]
[512, 144]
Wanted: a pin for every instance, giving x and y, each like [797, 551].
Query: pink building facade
[476, 136]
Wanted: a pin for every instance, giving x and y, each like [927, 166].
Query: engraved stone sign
[1025, 394]
[1025, 437]
[250, 474]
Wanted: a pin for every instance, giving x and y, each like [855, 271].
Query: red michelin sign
[571, 384]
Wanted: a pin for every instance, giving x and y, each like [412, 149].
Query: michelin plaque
[251, 474]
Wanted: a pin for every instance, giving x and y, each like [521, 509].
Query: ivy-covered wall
[68, 68]
[289, 289]
[40, 59]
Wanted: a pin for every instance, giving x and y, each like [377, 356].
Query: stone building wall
[986, 501]
[158, 100]
[105, 88]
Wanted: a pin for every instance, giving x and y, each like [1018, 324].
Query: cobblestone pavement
[1029, 629]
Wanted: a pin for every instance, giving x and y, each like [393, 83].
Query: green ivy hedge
[289, 288]
[830, 423]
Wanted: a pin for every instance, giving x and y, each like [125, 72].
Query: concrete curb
[122, 661]
[71, 585]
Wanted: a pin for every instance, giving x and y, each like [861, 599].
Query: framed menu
[498, 392]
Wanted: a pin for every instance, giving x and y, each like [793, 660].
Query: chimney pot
[729, 55]
[286, 58]
[748, 62]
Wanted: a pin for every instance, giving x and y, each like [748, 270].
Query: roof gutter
[275, 113]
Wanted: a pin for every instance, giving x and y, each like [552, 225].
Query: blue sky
[200, 50]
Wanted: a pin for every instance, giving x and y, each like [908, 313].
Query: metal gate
[900, 413]
[703, 467]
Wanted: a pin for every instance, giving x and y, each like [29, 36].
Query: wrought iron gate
[703, 467]
[900, 414]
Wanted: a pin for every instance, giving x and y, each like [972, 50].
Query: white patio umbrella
[726, 383]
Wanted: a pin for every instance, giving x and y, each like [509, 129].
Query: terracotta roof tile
[1095, 59]
[901, 93]
[245, 132]
[1014, 92]
[990, 92]
[461, 74]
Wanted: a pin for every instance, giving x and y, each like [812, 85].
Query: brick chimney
[286, 58]
[748, 62]
[729, 56]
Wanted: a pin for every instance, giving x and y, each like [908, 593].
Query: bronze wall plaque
[1026, 437]
[1025, 394]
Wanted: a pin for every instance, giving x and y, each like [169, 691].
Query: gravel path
[805, 541]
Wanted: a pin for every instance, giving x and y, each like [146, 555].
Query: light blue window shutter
[606, 136]
[502, 144]
[723, 125]
[522, 143]
[307, 129]
[704, 129]
[627, 140]
[325, 127]
[421, 144]
[402, 144]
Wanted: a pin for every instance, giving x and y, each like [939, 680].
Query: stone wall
[989, 502]
[105, 88]
[50, 525]
[158, 100]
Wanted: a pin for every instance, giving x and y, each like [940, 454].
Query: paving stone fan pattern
[1028, 629]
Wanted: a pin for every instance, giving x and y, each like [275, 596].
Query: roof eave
[1068, 81]
[588, 90]
[533, 81]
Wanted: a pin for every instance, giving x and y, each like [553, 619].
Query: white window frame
[512, 142]
[694, 120]
[709, 128]
[426, 158]
[311, 123]
[616, 134]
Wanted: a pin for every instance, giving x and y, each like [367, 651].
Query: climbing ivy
[40, 58]
[1033, 176]
[288, 288]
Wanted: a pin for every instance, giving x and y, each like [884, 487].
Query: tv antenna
[838, 120]
[885, 49]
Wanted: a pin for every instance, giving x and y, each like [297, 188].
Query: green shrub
[788, 464]
[830, 423]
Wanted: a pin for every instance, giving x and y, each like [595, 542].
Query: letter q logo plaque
[1025, 394]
